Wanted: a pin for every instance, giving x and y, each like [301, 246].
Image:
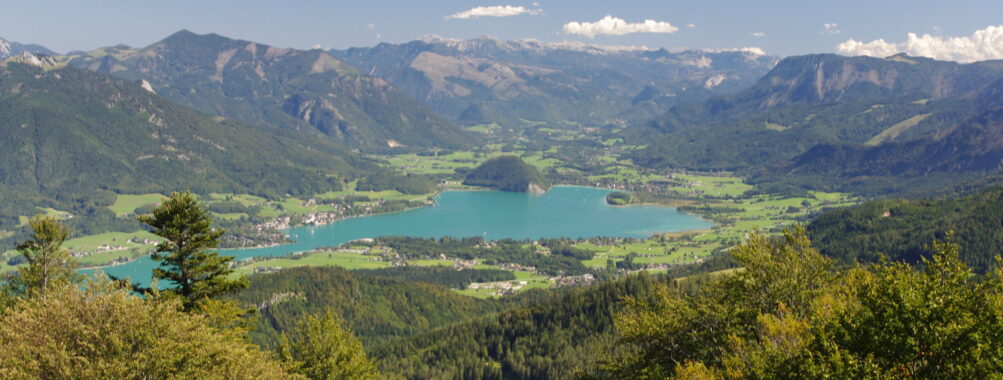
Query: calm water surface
[569, 211]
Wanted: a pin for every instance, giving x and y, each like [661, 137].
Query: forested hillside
[967, 151]
[508, 173]
[902, 230]
[377, 308]
[75, 137]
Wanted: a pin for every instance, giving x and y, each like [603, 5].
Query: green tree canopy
[788, 315]
[322, 349]
[49, 264]
[195, 273]
[103, 332]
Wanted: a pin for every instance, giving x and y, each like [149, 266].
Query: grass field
[60, 215]
[126, 204]
[894, 131]
[347, 260]
[92, 242]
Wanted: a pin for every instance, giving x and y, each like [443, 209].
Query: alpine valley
[211, 207]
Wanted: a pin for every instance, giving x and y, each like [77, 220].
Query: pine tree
[185, 258]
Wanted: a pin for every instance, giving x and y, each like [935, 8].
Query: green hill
[75, 136]
[378, 309]
[508, 173]
[903, 229]
[284, 88]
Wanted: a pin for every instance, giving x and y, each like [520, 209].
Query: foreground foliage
[321, 349]
[52, 325]
[104, 332]
[789, 315]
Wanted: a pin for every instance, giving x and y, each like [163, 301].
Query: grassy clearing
[432, 263]
[93, 242]
[347, 260]
[710, 185]
[775, 127]
[484, 128]
[894, 131]
[126, 204]
[45, 211]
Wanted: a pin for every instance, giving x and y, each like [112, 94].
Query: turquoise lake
[564, 211]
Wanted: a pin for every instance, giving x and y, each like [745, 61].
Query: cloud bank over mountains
[615, 26]
[984, 44]
[494, 11]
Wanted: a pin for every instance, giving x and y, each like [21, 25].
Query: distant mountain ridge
[10, 49]
[816, 99]
[970, 150]
[486, 79]
[286, 88]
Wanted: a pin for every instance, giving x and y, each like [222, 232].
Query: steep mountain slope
[969, 150]
[488, 80]
[71, 134]
[11, 48]
[811, 100]
[287, 88]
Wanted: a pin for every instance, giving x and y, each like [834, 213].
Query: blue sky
[778, 27]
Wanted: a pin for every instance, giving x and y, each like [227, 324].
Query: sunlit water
[564, 211]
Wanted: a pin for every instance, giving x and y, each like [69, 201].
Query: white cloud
[758, 34]
[982, 45]
[494, 11]
[831, 28]
[691, 26]
[370, 26]
[617, 27]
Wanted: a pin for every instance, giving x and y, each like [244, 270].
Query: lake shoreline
[565, 211]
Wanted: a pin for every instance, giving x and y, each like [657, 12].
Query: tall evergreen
[195, 273]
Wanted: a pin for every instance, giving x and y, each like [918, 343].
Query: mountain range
[810, 100]
[9, 49]
[514, 83]
[74, 134]
[284, 88]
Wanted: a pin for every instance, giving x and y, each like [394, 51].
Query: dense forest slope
[903, 229]
[285, 88]
[488, 80]
[73, 136]
[378, 309]
[555, 337]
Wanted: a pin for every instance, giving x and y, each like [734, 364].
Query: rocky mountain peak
[40, 60]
